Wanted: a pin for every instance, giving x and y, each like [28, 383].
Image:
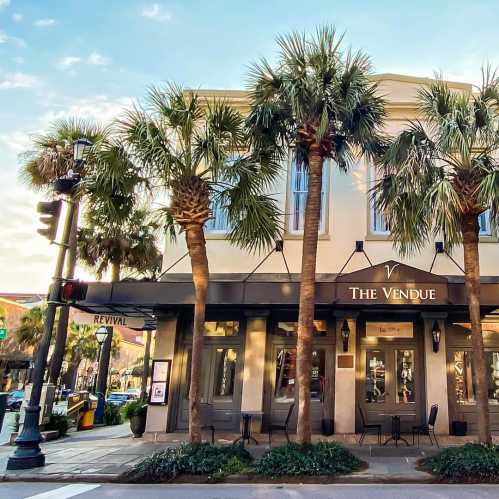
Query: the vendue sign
[391, 283]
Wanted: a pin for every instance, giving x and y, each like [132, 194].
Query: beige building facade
[390, 337]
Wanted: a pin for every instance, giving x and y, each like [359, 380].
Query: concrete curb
[354, 478]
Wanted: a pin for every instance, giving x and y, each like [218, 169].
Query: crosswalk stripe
[66, 492]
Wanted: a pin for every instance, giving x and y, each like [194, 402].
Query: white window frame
[291, 218]
[373, 212]
[485, 230]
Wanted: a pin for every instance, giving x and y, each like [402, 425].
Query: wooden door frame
[416, 343]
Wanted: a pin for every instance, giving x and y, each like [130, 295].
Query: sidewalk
[100, 455]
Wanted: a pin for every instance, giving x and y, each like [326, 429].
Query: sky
[92, 59]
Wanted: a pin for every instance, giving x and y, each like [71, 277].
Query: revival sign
[391, 283]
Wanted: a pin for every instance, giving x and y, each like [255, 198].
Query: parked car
[134, 392]
[15, 400]
[119, 398]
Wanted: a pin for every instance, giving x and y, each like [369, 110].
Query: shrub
[112, 415]
[324, 458]
[59, 422]
[470, 462]
[135, 408]
[202, 459]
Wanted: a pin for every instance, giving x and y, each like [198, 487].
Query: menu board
[160, 382]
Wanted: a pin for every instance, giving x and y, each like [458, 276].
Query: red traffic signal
[74, 291]
[50, 212]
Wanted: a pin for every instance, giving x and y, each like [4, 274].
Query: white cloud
[16, 142]
[16, 17]
[5, 38]
[98, 108]
[156, 12]
[98, 59]
[68, 61]
[4, 3]
[18, 80]
[44, 23]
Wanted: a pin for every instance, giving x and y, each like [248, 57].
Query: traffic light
[74, 291]
[50, 212]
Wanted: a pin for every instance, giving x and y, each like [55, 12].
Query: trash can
[3, 407]
[82, 406]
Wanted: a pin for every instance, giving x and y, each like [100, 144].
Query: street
[87, 490]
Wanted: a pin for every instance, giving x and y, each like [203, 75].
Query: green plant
[323, 458]
[195, 459]
[112, 415]
[135, 408]
[467, 463]
[59, 422]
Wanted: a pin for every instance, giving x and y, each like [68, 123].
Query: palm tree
[196, 149]
[437, 177]
[51, 158]
[82, 344]
[30, 331]
[321, 102]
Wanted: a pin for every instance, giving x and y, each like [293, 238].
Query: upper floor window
[484, 223]
[298, 197]
[219, 223]
[377, 217]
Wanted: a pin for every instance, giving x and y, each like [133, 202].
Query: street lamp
[101, 335]
[81, 148]
[28, 453]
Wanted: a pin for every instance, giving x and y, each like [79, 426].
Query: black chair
[206, 413]
[366, 428]
[281, 427]
[428, 428]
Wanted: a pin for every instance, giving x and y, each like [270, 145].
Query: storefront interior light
[345, 334]
[435, 334]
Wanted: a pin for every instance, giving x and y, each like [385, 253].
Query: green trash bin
[3, 407]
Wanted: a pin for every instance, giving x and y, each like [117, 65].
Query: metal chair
[282, 427]
[206, 413]
[428, 428]
[366, 428]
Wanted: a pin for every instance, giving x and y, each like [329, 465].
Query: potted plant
[136, 412]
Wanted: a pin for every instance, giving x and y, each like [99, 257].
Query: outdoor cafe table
[246, 427]
[396, 435]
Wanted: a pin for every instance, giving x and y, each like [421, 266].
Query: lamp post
[28, 453]
[101, 335]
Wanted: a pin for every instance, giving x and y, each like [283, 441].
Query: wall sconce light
[345, 334]
[435, 335]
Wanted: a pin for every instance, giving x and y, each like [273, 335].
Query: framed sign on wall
[160, 381]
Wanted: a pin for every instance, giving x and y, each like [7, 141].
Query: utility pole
[28, 453]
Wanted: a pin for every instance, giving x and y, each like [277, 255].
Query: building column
[164, 348]
[254, 365]
[436, 371]
[344, 379]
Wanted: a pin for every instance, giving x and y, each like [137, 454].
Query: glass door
[390, 385]
[220, 385]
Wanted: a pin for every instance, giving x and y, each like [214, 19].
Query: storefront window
[375, 376]
[405, 376]
[290, 329]
[286, 374]
[225, 372]
[221, 328]
[464, 379]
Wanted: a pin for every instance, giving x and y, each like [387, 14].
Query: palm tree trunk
[200, 276]
[62, 324]
[307, 294]
[470, 231]
[145, 373]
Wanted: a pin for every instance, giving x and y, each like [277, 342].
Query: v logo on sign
[389, 270]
